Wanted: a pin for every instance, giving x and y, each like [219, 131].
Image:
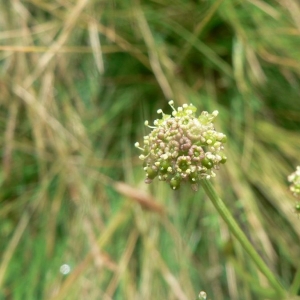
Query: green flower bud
[175, 183]
[207, 163]
[151, 174]
[224, 159]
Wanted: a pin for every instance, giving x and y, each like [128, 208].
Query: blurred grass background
[78, 79]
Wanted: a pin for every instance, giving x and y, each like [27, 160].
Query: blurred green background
[77, 80]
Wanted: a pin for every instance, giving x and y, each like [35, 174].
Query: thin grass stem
[296, 283]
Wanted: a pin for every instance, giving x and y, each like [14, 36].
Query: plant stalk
[239, 234]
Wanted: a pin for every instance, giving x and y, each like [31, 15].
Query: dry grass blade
[145, 200]
[69, 24]
[64, 49]
[279, 60]
[123, 263]
[96, 46]
[9, 137]
[153, 53]
[199, 28]
[114, 224]
[11, 247]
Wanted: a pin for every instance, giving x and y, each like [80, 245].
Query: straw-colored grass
[77, 80]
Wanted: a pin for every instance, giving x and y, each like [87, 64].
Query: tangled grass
[77, 80]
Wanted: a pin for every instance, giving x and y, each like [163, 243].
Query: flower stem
[239, 234]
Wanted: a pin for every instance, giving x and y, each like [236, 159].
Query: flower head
[294, 178]
[182, 147]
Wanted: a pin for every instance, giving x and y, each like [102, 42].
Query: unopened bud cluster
[182, 147]
[294, 179]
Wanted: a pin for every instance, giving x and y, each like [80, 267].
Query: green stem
[296, 283]
[239, 234]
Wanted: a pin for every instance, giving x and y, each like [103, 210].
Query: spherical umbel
[182, 147]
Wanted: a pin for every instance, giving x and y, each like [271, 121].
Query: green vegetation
[77, 81]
